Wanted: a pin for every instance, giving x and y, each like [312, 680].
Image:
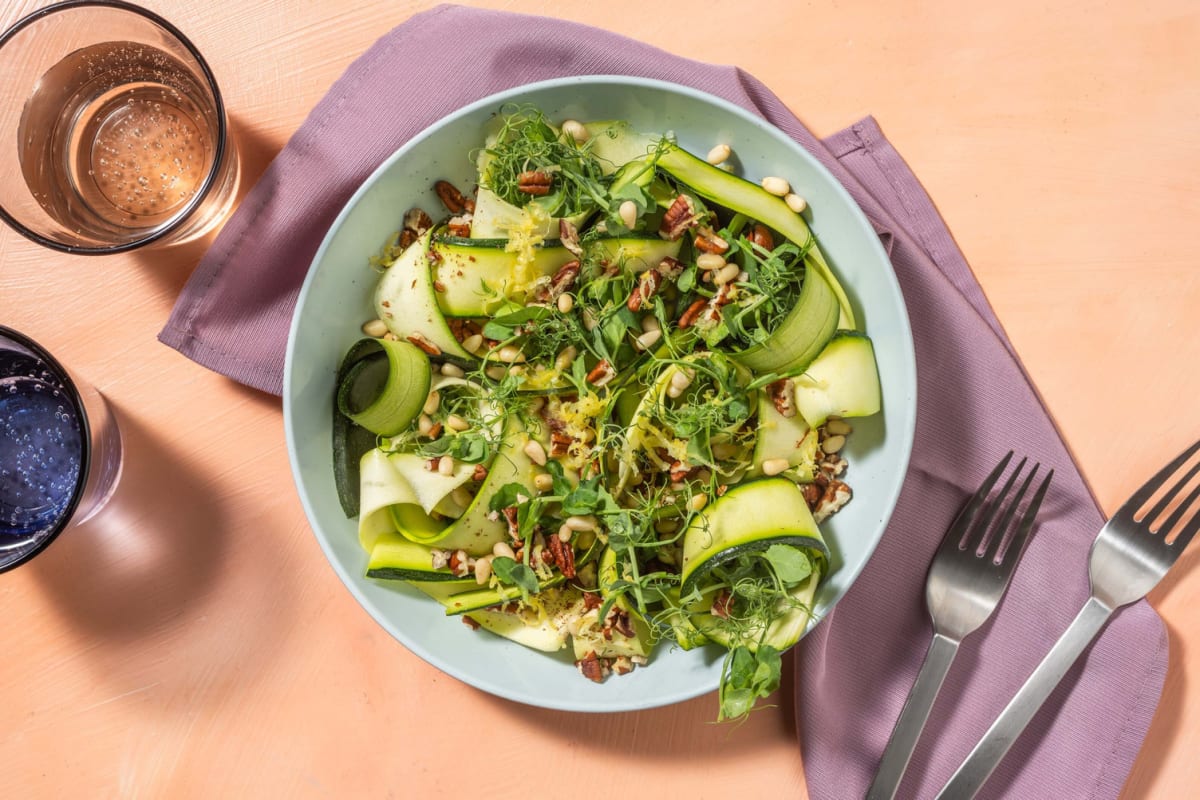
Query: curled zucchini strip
[383, 385]
[749, 519]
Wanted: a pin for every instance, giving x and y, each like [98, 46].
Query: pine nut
[565, 534]
[565, 303]
[837, 427]
[719, 154]
[580, 523]
[795, 202]
[446, 466]
[376, 328]
[832, 444]
[666, 526]
[774, 466]
[516, 369]
[566, 358]
[390, 337]
[590, 320]
[776, 186]
[698, 501]
[473, 342]
[424, 425]
[510, 354]
[650, 323]
[647, 340]
[483, 570]
[496, 373]
[708, 261]
[743, 276]
[432, 402]
[681, 379]
[452, 370]
[536, 453]
[456, 423]
[628, 212]
[726, 274]
[502, 550]
[543, 482]
[576, 130]
[535, 405]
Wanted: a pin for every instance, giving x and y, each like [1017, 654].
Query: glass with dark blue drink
[60, 449]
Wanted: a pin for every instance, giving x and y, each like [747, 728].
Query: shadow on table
[147, 556]
[682, 732]
[172, 265]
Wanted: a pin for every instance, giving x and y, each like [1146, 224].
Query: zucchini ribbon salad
[602, 402]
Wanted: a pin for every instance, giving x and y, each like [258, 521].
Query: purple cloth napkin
[855, 670]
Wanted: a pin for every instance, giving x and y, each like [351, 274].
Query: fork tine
[1009, 512]
[966, 517]
[1147, 490]
[1021, 536]
[985, 528]
[1161, 506]
[1177, 515]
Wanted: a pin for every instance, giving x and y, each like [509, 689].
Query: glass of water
[60, 449]
[113, 134]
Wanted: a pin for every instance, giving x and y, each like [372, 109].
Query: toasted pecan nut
[761, 236]
[510, 517]
[647, 286]
[679, 217]
[670, 268]
[451, 197]
[564, 280]
[480, 472]
[590, 667]
[407, 237]
[622, 624]
[459, 226]
[782, 397]
[692, 313]
[534, 182]
[592, 600]
[417, 221]
[560, 443]
[563, 555]
[707, 241]
[602, 373]
[426, 346]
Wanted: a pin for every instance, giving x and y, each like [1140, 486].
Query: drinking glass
[113, 134]
[60, 449]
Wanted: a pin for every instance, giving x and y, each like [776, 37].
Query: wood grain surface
[193, 642]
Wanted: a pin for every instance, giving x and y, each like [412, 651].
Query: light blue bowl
[335, 301]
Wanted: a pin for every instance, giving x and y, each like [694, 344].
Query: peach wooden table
[194, 642]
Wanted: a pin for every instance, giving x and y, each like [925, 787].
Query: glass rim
[85, 441]
[218, 155]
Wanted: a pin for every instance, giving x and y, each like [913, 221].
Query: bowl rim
[907, 418]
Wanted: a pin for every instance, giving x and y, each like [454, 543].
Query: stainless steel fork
[1127, 560]
[967, 578]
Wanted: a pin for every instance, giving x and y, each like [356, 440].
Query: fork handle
[978, 766]
[912, 717]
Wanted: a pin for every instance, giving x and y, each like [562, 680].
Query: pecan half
[692, 313]
[707, 241]
[679, 471]
[563, 555]
[590, 667]
[592, 600]
[424, 344]
[560, 443]
[621, 623]
[534, 182]
[679, 217]
[407, 237]
[451, 197]
[648, 285]
[812, 494]
[470, 623]
[417, 221]
[836, 494]
[480, 472]
[562, 282]
[761, 236]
